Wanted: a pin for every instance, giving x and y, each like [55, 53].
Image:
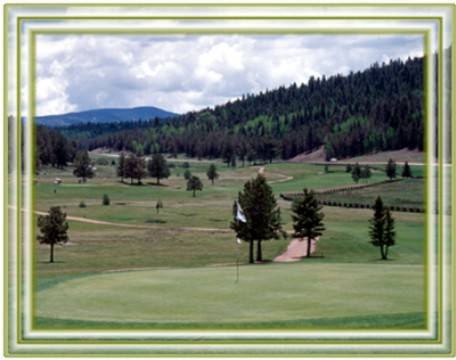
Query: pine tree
[120, 170]
[407, 171]
[187, 174]
[82, 166]
[356, 173]
[53, 228]
[212, 173]
[158, 167]
[390, 233]
[262, 214]
[135, 168]
[193, 184]
[366, 172]
[391, 169]
[307, 218]
[381, 229]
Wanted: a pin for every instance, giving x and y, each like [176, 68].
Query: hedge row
[291, 196]
[353, 187]
[367, 206]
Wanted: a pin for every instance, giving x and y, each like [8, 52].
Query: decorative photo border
[24, 22]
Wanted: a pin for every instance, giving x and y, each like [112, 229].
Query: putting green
[264, 293]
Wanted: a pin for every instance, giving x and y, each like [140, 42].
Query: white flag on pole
[239, 241]
[240, 213]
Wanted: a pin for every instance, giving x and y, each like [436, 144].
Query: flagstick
[237, 262]
[237, 258]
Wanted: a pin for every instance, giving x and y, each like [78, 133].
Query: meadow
[177, 269]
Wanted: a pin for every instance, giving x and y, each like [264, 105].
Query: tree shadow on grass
[51, 263]
[130, 184]
[156, 221]
[155, 184]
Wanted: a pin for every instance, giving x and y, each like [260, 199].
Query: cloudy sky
[182, 73]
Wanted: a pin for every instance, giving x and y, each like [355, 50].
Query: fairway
[211, 297]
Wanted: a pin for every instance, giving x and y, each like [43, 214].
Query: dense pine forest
[377, 109]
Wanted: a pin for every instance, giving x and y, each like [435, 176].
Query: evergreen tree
[212, 173]
[158, 167]
[391, 169]
[135, 168]
[120, 170]
[356, 173]
[53, 228]
[229, 155]
[381, 229]
[193, 184]
[307, 218]
[407, 171]
[366, 172]
[187, 174]
[262, 214]
[82, 166]
[390, 233]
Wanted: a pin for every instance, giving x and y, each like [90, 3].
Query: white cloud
[182, 73]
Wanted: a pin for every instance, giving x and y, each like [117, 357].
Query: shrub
[106, 200]
[186, 165]
[187, 174]
[82, 204]
[113, 162]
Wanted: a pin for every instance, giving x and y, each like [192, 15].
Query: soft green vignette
[19, 175]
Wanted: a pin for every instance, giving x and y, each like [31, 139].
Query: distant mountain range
[104, 116]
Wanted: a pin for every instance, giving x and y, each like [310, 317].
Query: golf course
[131, 265]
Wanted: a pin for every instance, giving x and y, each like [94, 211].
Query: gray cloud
[182, 73]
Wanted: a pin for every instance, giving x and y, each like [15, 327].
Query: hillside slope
[104, 116]
[378, 109]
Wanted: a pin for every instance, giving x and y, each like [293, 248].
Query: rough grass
[405, 193]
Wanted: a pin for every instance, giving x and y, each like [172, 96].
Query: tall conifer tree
[262, 214]
[307, 218]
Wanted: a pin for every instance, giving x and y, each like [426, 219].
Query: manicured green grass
[313, 177]
[211, 295]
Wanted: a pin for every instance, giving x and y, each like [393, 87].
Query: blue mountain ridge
[104, 116]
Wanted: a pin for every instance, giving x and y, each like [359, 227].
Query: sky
[181, 73]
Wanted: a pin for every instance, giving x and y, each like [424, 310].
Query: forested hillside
[378, 109]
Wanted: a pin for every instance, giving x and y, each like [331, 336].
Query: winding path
[135, 226]
[296, 250]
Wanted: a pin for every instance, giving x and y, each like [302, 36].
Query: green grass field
[161, 276]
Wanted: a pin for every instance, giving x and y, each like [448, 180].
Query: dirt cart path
[296, 250]
[137, 226]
